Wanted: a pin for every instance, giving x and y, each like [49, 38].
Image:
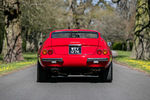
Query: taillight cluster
[45, 52]
[50, 52]
[99, 51]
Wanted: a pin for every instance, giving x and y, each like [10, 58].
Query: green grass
[29, 59]
[124, 57]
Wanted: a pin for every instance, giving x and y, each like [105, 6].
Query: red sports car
[74, 52]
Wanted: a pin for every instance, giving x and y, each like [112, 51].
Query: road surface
[127, 85]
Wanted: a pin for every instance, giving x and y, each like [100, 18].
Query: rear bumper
[61, 59]
[75, 61]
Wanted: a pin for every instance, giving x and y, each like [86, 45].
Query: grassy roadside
[30, 59]
[124, 57]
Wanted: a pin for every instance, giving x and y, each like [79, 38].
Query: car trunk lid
[61, 46]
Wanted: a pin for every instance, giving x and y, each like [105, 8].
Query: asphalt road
[127, 85]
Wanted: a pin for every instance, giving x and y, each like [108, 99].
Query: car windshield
[82, 34]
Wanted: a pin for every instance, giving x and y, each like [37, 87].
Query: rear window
[67, 34]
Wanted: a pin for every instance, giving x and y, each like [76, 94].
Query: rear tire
[42, 75]
[107, 74]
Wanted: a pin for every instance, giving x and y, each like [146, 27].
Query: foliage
[117, 46]
[121, 45]
[124, 57]
[131, 45]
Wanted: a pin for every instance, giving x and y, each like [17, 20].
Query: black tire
[42, 75]
[107, 74]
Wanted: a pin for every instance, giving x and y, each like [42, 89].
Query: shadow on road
[75, 80]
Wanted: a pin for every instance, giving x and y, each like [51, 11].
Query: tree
[1, 30]
[141, 43]
[12, 49]
[1, 25]
[77, 15]
[141, 47]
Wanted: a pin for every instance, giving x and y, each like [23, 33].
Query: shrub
[131, 45]
[119, 46]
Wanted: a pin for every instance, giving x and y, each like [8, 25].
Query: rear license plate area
[74, 49]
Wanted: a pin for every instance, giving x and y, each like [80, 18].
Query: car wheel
[107, 74]
[42, 75]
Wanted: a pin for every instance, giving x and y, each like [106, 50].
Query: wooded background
[26, 23]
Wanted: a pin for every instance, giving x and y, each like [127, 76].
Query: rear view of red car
[74, 52]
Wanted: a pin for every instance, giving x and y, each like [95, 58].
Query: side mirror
[40, 43]
[109, 44]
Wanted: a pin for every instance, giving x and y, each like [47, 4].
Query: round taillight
[105, 52]
[44, 52]
[50, 52]
[99, 52]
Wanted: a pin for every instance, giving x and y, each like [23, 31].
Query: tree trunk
[141, 45]
[128, 45]
[1, 30]
[13, 43]
[1, 40]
